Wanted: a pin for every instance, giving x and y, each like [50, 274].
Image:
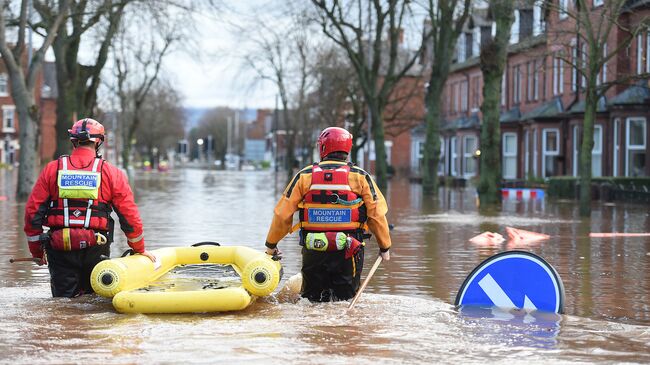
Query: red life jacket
[330, 205]
[80, 212]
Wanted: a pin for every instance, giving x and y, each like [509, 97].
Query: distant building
[542, 103]
[45, 94]
[255, 144]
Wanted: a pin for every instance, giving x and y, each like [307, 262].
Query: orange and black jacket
[360, 183]
[115, 193]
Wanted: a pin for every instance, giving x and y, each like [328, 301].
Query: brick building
[45, 95]
[542, 103]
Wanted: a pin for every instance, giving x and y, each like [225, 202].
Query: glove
[36, 250]
[275, 252]
[385, 255]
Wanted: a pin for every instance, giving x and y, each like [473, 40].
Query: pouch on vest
[353, 247]
[326, 241]
[75, 184]
[73, 239]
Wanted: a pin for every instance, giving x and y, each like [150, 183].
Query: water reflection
[404, 316]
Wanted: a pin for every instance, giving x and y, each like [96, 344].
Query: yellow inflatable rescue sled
[203, 278]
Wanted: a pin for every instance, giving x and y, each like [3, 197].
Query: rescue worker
[336, 202]
[74, 196]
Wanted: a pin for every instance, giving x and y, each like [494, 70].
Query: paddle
[365, 282]
[25, 259]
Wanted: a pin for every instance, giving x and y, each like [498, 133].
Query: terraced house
[543, 97]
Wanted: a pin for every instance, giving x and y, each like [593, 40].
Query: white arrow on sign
[499, 297]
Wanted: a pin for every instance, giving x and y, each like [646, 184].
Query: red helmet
[334, 139]
[87, 130]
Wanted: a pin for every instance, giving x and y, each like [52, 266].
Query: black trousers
[70, 270]
[329, 276]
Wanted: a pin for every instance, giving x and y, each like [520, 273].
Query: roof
[551, 108]
[511, 115]
[635, 94]
[463, 123]
[579, 107]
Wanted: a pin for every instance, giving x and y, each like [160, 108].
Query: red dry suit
[46, 208]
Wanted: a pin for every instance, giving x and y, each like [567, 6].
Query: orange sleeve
[376, 207]
[286, 207]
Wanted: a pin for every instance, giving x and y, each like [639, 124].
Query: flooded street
[405, 316]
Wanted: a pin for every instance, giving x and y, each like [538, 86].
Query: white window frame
[526, 153]
[545, 152]
[469, 155]
[454, 155]
[535, 152]
[516, 75]
[537, 19]
[460, 57]
[5, 110]
[536, 67]
[629, 148]
[576, 149]
[504, 94]
[563, 7]
[574, 69]
[639, 54]
[583, 56]
[616, 146]
[4, 80]
[604, 73]
[514, 29]
[647, 52]
[441, 159]
[508, 155]
[464, 103]
[597, 150]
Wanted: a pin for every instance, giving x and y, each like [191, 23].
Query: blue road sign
[514, 279]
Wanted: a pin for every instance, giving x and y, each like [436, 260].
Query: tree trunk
[28, 115]
[493, 59]
[66, 98]
[591, 104]
[432, 141]
[381, 166]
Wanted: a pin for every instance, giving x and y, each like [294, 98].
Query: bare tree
[138, 60]
[493, 61]
[162, 122]
[378, 61]
[446, 21]
[23, 74]
[77, 83]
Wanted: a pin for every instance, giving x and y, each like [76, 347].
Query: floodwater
[405, 316]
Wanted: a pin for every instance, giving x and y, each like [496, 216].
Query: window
[469, 163]
[463, 96]
[469, 45]
[526, 154]
[509, 155]
[597, 152]
[516, 84]
[529, 81]
[514, 29]
[454, 155]
[550, 151]
[558, 75]
[461, 52]
[563, 8]
[576, 149]
[574, 69]
[526, 19]
[538, 20]
[441, 160]
[8, 119]
[476, 93]
[617, 146]
[604, 73]
[584, 65]
[647, 52]
[417, 159]
[598, 3]
[504, 91]
[635, 143]
[4, 88]
[535, 152]
[640, 62]
[536, 66]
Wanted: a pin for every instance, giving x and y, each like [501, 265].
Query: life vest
[330, 205]
[78, 202]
